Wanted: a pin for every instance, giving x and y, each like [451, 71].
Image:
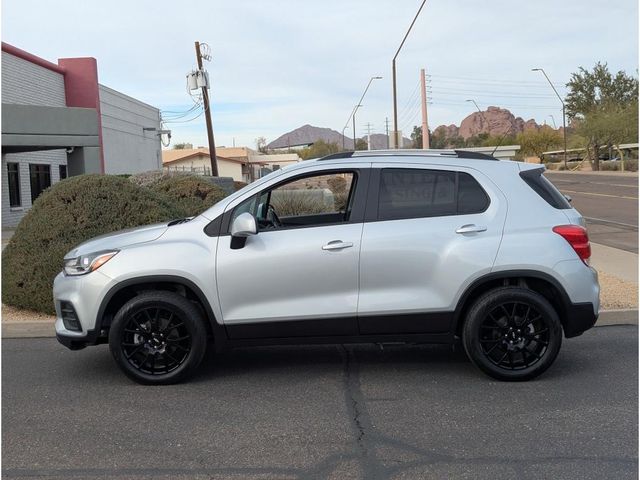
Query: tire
[512, 334]
[158, 338]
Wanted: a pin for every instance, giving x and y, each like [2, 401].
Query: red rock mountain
[494, 121]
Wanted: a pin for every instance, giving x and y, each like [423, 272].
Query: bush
[238, 185]
[631, 165]
[147, 179]
[71, 212]
[192, 194]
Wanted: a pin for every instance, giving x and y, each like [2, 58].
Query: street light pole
[393, 68]
[564, 122]
[358, 105]
[479, 111]
[353, 117]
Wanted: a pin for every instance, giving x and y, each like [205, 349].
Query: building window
[13, 171]
[40, 179]
[63, 171]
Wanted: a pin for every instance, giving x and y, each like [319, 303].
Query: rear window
[543, 187]
[415, 193]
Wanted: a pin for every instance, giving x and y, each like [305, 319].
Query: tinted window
[414, 193]
[544, 188]
[40, 179]
[471, 197]
[14, 184]
[62, 169]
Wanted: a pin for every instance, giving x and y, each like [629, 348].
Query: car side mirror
[242, 227]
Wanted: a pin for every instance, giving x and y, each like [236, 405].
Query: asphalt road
[609, 203]
[321, 412]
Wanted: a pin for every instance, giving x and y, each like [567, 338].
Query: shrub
[71, 212]
[147, 179]
[190, 193]
[238, 185]
[631, 165]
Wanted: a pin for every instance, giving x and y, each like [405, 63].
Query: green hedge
[71, 212]
[190, 193]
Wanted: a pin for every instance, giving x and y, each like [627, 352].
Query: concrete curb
[617, 317]
[45, 329]
[28, 329]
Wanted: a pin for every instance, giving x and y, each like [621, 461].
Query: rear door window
[416, 193]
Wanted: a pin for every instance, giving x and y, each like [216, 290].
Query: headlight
[87, 263]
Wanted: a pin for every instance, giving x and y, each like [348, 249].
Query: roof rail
[410, 152]
[470, 154]
[337, 155]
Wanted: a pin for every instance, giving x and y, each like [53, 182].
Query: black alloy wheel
[156, 340]
[158, 337]
[512, 333]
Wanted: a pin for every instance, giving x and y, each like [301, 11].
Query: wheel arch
[539, 282]
[125, 290]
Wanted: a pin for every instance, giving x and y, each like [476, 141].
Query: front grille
[69, 317]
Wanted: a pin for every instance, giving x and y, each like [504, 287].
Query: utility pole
[207, 116]
[425, 124]
[386, 125]
[368, 136]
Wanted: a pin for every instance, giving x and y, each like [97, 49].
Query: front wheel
[512, 334]
[158, 337]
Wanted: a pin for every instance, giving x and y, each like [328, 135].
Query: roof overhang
[33, 127]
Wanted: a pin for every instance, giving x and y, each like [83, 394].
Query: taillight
[577, 237]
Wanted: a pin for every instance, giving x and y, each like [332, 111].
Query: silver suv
[382, 246]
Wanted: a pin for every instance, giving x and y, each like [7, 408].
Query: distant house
[241, 163]
[197, 160]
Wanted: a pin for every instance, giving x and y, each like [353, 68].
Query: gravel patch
[13, 314]
[616, 293]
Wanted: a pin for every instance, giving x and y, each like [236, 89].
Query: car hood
[122, 238]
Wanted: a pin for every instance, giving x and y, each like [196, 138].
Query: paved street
[608, 201]
[323, 412]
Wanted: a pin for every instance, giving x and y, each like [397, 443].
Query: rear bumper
[579, 317]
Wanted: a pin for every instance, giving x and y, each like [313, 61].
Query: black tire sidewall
[479, 311]
[181, 307]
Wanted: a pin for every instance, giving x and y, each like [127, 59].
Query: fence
[196, 170]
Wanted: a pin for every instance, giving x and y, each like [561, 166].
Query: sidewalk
[616, 262]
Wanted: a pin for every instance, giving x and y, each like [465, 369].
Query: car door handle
[337, 245]
[471, 228]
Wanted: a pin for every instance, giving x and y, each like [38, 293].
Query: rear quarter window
[543, 187]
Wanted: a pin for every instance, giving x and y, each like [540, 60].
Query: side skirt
[434, 338]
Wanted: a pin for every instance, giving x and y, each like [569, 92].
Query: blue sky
[280, 64]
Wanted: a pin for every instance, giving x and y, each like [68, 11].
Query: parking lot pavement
[316, 412]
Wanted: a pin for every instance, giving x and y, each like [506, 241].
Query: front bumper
[84, 293]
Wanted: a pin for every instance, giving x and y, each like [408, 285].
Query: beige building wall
[230, 169]
[225, 167]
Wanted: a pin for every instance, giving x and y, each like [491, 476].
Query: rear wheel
[512, 333]
[158, 338]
